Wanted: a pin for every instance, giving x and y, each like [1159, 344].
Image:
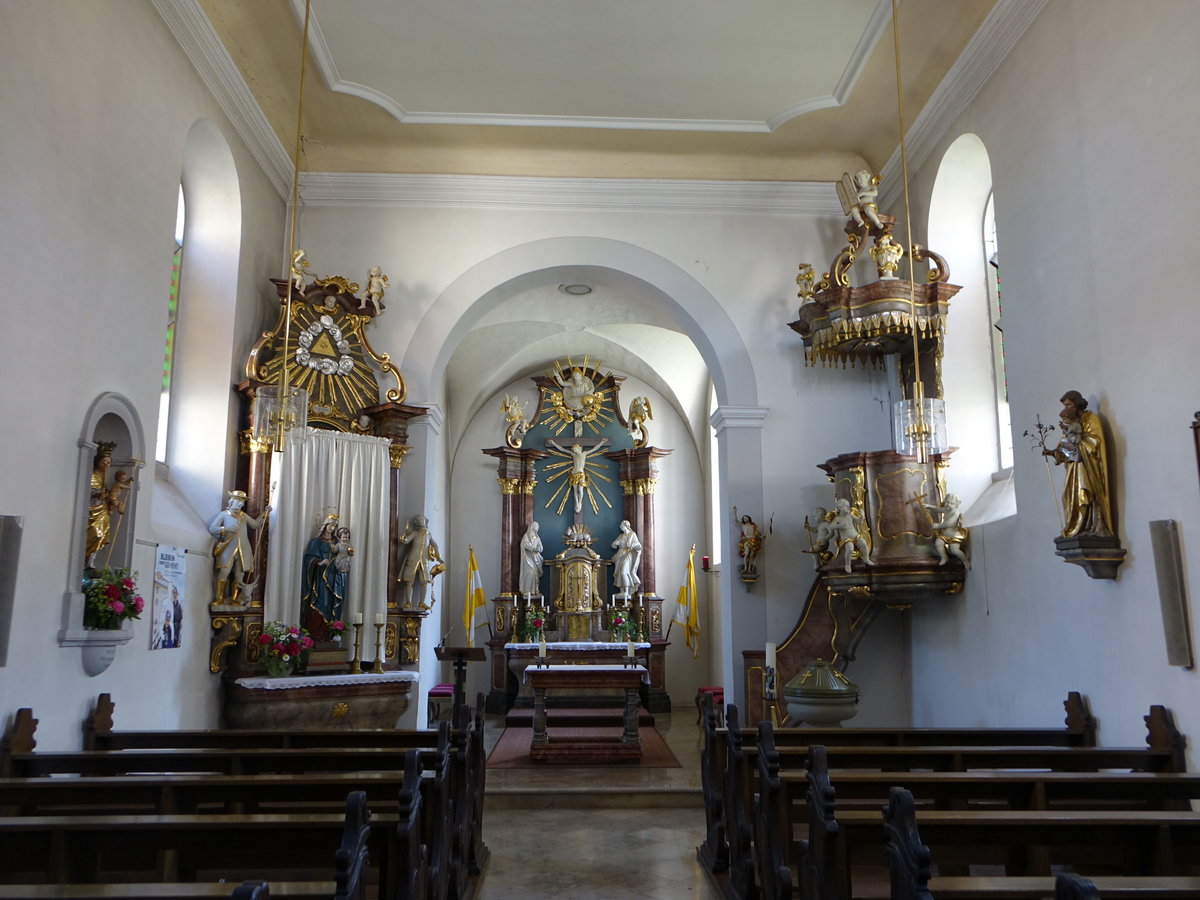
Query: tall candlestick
[356, 665]
[377, 668]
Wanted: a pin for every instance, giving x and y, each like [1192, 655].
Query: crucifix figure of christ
[579, 471]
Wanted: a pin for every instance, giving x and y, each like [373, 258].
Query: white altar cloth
[556, 668]
[579, 645]
[267, 683]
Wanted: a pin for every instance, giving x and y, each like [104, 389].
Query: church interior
[409, 350]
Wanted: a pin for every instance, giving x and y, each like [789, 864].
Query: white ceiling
[702, 65]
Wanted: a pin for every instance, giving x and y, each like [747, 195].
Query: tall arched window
[164, 397]
[962, 227]
[991, 253]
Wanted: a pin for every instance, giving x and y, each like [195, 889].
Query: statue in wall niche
[529, 581]
[949, 532]
[625, 561]
[850, 535]
[1087, 500]
[233, 557]
[421, 564]
[99, 515]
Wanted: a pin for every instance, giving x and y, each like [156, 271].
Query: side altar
[559, 475]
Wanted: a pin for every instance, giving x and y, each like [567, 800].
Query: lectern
[461, 656]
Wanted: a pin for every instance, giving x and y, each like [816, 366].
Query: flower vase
[277, 666]
[93, 621]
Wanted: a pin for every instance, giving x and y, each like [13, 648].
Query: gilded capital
[247, 444]
[509, 486]
[396, 454]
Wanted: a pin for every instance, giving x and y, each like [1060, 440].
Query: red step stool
[437, 695]
[718, 697]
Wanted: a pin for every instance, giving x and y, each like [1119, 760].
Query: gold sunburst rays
[575, 399]
[563, 492]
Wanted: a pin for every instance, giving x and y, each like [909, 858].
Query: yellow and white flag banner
[686, 610]
[475, 600]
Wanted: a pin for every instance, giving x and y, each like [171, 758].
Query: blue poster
[166, 626]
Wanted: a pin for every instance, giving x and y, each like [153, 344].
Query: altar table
[365, 700]
[627, 748]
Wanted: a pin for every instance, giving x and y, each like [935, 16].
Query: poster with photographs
[166, 627]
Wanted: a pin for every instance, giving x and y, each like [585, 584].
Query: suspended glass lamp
[280, 416]
[919, 426]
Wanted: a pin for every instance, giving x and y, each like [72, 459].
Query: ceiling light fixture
[575, 290]
[281, 410]
[919, 421]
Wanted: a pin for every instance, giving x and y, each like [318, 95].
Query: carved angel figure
[514, 414]
[299, 264]
[639, 412]
[376, 283]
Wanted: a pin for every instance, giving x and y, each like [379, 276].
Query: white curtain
[346, 474]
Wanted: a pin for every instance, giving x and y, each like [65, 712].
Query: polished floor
[604, 833]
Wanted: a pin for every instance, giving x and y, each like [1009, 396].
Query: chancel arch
[668, 298]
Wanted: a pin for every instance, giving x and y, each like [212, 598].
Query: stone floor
[602, 833]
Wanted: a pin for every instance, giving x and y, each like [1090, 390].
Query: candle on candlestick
[358, 618]
[379, 618]
[629, 648]
[542, 646]
[770, 656]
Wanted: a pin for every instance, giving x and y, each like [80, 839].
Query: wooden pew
[228, 753]
[730, 771]
[909, 866]
[451, 815]
[349, 870]
[1122, 842]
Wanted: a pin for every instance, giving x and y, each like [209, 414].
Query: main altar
[577, 480]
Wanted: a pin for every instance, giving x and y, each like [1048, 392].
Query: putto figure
[949, 532]
[377, 282]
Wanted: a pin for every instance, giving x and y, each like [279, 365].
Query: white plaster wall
[1095, 175]
[98, 101]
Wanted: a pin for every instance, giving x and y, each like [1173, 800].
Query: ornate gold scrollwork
[389, 640]
[509, 486]
[655, 620]
[247, 444]
[232, 626]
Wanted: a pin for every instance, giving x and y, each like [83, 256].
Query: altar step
[597, 717]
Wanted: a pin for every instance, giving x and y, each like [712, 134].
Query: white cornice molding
[724, 417]
[991, 44]
[608, 194]
[216, 68]
[433, 418]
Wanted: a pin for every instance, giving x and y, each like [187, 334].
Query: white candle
[542, 646]
[358, 618]
[770, 656]
[378, 618]
[629, 648]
